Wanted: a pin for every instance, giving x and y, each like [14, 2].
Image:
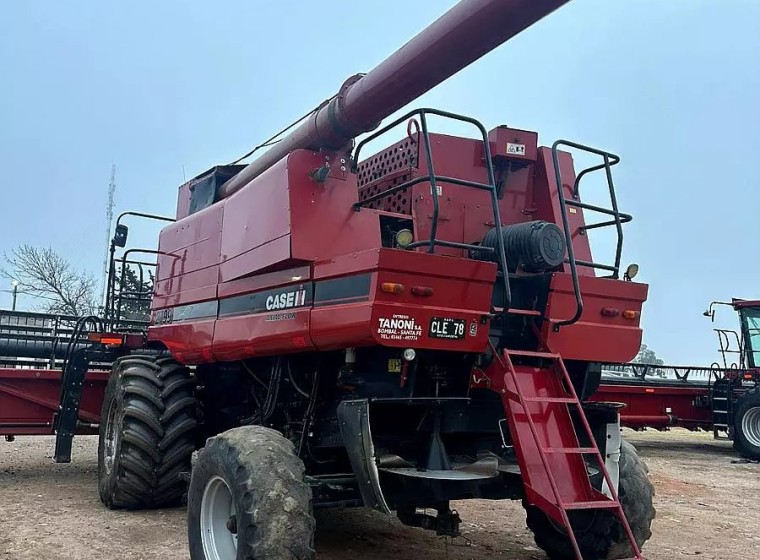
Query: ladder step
[720, 425]
[569, 484]
[719, 399]
[527, 312]
[570, 450]
[531, 354]
[566, 400]
[594, 504]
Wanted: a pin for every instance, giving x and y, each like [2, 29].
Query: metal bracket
[612, 456]
[353, 417]
[66, 419]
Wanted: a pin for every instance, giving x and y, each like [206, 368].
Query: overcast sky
[168, 89]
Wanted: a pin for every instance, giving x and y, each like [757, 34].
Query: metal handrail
[620, 218]
[434, 179]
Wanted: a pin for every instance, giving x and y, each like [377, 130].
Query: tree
[52, 280]
[648, 356]
[135, 303]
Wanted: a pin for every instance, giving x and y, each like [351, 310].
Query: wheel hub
[112, 439]
[751, 426]
[218, 521]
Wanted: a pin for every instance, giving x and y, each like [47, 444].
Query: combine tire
[147, 433]
[599, 534]
[747, 425]
[248, 499]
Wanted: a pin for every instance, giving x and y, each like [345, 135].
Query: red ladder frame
[601, 501]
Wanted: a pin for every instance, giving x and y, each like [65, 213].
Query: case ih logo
[286, 300]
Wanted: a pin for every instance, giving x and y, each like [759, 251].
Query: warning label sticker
[398, 327]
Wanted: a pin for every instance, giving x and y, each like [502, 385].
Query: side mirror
[120, 235]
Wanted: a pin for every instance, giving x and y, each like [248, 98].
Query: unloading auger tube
[458, 38]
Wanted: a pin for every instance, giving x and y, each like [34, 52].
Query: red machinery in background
[33, 349]
[723, 398]
[54, 368]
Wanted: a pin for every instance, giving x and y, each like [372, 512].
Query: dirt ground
[707, 507]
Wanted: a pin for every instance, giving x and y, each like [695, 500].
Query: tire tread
[606, 539]
[158, 407]
[263, 467]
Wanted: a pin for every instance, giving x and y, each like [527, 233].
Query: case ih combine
[723, 398]
[395, 330]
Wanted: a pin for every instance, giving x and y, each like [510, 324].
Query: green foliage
[136, 294]
[647, 356]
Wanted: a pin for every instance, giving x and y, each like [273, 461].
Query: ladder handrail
[569, 388]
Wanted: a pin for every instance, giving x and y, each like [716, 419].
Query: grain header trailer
[54, 368]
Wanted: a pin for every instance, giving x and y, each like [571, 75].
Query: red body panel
[188, 265]
[287, 231]
[656, 405]
[29, 399]
[189, 343]
[595, 337]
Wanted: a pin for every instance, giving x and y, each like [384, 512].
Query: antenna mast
[109, 220]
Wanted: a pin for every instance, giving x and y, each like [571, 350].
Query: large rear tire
[747, 425]
[601, 537]
[147, 433]
[248, 499]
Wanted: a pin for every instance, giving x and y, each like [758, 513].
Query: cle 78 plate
[445, 327]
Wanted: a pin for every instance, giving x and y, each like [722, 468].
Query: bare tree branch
[47, 276]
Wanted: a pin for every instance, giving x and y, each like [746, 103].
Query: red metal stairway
[547, 446]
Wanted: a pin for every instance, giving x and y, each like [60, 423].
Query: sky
[165, 90]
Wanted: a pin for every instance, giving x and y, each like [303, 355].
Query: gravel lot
[707, 507]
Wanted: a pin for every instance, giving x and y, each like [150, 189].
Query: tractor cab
[739, 349]
[749, 320]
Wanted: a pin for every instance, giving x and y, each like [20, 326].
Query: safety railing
[636, 373]
[618, 218]
[117, 295]
[435, 179]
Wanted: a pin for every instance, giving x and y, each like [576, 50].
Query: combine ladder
[555, 474]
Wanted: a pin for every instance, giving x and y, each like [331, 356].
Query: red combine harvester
[723, 398]
[392, 331]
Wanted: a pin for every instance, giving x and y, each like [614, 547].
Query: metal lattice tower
[109, 220]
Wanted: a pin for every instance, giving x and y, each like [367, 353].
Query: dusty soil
[707, 507]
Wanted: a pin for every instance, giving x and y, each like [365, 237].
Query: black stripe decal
[348, 289]
[189, 312]
[341, 301]
[291, 297]
[345, 288]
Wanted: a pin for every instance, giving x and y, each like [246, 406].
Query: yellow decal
[394, 366]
